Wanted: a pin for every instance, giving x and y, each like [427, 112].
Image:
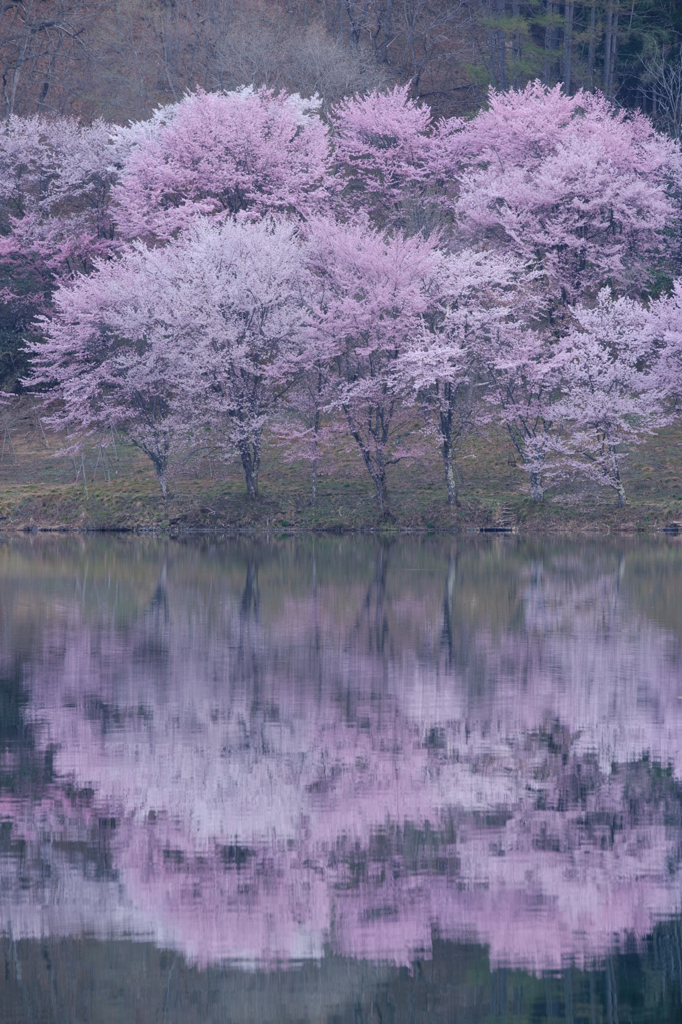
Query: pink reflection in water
[333, 776]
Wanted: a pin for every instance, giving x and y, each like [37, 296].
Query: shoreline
[133, 507]
[44, 493]
[583, 530]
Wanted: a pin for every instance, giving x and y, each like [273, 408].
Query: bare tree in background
[118, 59]
[40, 42]
[662, 83]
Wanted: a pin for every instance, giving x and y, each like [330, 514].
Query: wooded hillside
[117, 59]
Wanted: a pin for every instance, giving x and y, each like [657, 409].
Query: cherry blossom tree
[56, 180]
[372, 293]
[524, 387]
[112, 357]
[305, 427]
[445, 366]
[348, 311]
[581, 192]
[665, 327]
[614, 391]
[246, 308]
[222, 154]
[166, 343]
[382, 150]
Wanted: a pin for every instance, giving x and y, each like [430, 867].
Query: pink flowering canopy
[447, 361]
[162, 341]
[580, 191]
[56, 179]
[447, 266]
[371, 293]
[221, 154]
[382, 149]
[615, 385]
[111, 359]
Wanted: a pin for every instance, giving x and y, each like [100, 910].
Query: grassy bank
[39, 490]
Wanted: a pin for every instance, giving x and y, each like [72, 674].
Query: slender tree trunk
[614, 54]
[492, 45]
[450, 475]
[447, 447]
[500, 6]
[385, 29]
[536, 489]
[374, 466]
[617, 481]
[549, 33]
[163, 482]
[371, 431]
[250, 456]
[568, 46]
[518, 435]
[591, 46]
[516, 44]
[13, 91]
[388, 24]
[316, 443]
[381, 485]
[606, 72]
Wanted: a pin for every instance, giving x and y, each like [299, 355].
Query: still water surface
[340, 780]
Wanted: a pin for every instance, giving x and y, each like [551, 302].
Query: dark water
[340, 780]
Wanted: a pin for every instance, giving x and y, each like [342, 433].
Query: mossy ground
[40, 490]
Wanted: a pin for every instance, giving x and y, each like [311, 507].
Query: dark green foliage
[603, 44]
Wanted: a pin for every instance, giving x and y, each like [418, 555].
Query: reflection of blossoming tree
[292, 767]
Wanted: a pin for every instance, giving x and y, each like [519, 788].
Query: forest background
[120, 60]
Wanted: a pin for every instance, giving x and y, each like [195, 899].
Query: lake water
[340, 780]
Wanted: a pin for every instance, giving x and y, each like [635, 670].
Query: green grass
[37, 490]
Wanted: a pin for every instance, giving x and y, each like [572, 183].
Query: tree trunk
[535, 475]
[606, 73]
[377, 471]
[592, 45]
[617, 482]
[160, 468]
[614, 51]
[313, 483]
[501, 48]
[450, 476]
[549, 32]
[492, 44]
[536, 489]
[385, 28]
[379, 477]
[568, 46]
[375, 466]
[516, 44]
[250, 457]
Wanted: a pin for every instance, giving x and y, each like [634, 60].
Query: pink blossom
[579, 191]
[221, 154]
